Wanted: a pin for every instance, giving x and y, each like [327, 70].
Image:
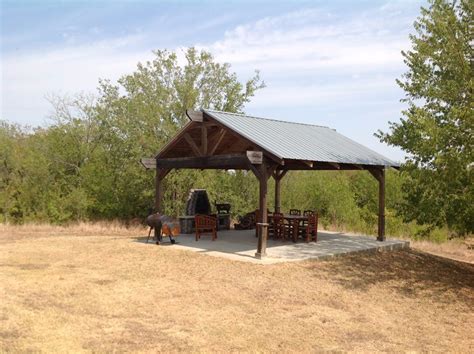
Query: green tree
[9, 178]
[98, 144]
[85, 164]
[437, 127]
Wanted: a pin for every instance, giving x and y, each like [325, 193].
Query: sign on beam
[255, 157]
[148, 163]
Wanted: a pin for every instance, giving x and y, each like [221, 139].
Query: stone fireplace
[198, 203]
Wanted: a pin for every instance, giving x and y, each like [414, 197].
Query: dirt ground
[93, 288]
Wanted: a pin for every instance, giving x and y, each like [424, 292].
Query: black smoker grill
[198, 203]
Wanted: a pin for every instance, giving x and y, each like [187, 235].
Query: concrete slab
[242, 245]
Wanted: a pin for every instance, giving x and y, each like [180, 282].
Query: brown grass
[102, 291]
[457, 249]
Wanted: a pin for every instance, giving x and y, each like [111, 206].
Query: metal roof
[288, 140]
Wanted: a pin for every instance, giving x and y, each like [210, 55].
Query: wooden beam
[381, 230]
[210, 124]
[242, 145]
[379, 175]
[220, 136]
[279, 174]
[300, 165]
[158, 194]
[195, 116]
[283, 173]
[192, 144]
[262, 224]
[159, 191]
[148, 162]
[203, 140]
[229, 161]
[323, 166]
[176, 139]
[163, 172]
[254, 169]
[271, 169]
[277, 195]
[375, 173]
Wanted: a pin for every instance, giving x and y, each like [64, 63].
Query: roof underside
[297, 141]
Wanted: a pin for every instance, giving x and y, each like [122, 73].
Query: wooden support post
[203, 140]
[379, 175]
[158, 203]
[277, 195]
[158, 193]
[263, 222]
[159, 177]
[381, 228]
[278, 175]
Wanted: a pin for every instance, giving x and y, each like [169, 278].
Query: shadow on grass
[409, 272]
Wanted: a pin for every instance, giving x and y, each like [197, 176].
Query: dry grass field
[95, 288]
[460, 250]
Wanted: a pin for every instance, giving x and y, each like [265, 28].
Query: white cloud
[28, 77]
[313, 40]
[322, 94]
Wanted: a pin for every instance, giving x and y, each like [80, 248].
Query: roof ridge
[264, 118]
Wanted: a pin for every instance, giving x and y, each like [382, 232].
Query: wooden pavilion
[269, 148]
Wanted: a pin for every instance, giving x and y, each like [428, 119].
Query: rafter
[220, 135]
[192, 144]
[203, 139]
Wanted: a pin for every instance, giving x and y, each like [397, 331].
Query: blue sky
[331, 63]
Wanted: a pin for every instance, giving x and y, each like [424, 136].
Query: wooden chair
[295, 212]
[302, 231]
[278, 226]
[205, 224]
[311, 231]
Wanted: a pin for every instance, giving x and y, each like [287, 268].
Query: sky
[331, 63]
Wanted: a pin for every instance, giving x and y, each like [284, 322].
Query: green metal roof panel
[299, 141]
